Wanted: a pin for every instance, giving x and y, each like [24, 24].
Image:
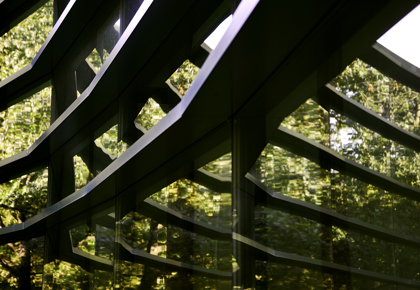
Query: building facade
[133, 156]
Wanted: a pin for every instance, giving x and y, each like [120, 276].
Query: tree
[300, 178]
[20, 125]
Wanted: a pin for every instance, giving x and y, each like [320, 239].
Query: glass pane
[292, 234]
[19, 46]
[407, 262]
[140, 276]
[354, 198]
[197, 202]
[150, 114]
[381, 94]
[23, 123]
[97, 51]
[96, 156]
[363, 252]
[292, 175]
[297, 177]
[64, 275]
[21, 264]
[275, 276]
[184, 76]
[222, 166]
[310, 120]
[23, 197]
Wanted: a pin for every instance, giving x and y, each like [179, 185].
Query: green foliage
[150, 114]
[299, 178]
[19, 46]
[64, 275]
[96, 60]
[184, 76]
[222, 166]
[108, 142]
[20, 126]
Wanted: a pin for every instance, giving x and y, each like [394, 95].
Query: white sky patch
[403, 38]
[217, 34]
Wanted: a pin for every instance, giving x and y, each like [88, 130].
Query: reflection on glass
[406, 217]
[96, 156]
[407, 262]
[353, 282]
[23, 123]
[100, 48]
[97, 60]
[304, 237]
[360, 144]
[23, 197]
[354, 198]
[108, 143]
[21, 264]
[174, 243]
[184, 76]
[150, 114]
[297, 177]
[139, 276]
[275, 276]
[81, 172]
[292, 175]
[64, 275]
[143, 233]
[363, 252]
[19, 46]
[374, 90]
[197, 202]
[95, 240]
[222, 166]
[310, 120]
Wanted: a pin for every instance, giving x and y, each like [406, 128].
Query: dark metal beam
[12, 12]
[69, 35]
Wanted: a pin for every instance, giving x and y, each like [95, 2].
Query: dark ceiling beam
[68, 37]
[12, 12]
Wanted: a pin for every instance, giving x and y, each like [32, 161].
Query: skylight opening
[403, 39]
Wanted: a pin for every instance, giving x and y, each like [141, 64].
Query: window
[133, 156]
